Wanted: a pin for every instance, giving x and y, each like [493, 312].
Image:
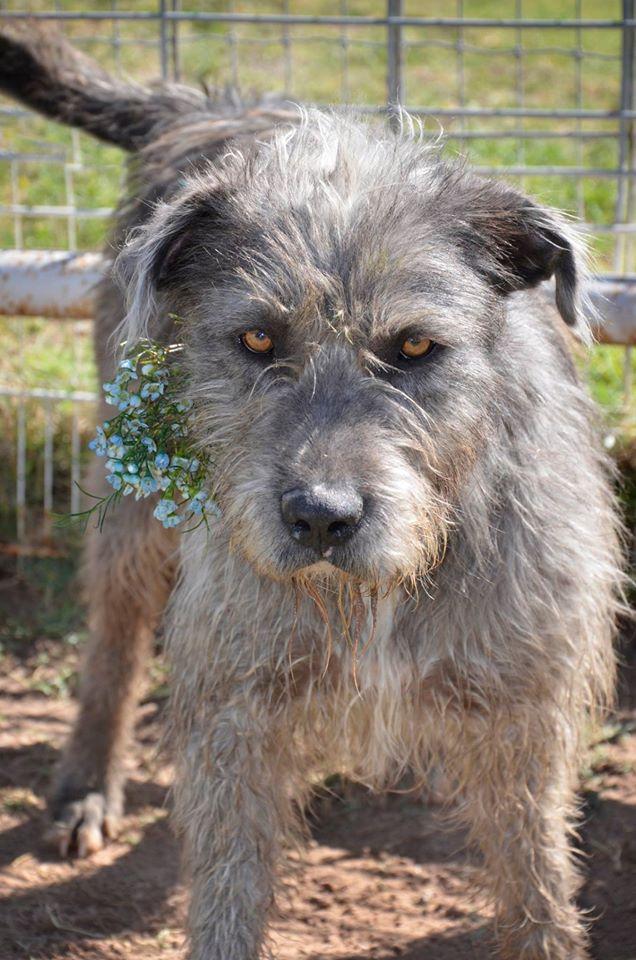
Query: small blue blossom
[166, 512]
[116, 447]
[197, 503]
[112, 393]
[149, 444]
[129, 366]
[152, 390]
[135, 427]
[115, 481]
[213, 509]
[164, 508]
[183, 487]
[162, 460]
[148, 485]
[173, 520]
[99, 444]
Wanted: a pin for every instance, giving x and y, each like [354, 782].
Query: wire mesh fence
[541, 93]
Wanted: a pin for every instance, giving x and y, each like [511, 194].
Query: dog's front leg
[516, 775]
[234, 808]
[129, 572]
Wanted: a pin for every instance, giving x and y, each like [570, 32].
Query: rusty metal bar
[40, 283]
[615, 304]
[38, 393]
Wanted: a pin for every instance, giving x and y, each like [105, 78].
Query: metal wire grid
[48, 401]
[392, 45]
[398, 45]
[47, 431]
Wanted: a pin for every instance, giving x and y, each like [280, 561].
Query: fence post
[395, 89]
[174, 41]
[163, 39]
[625, 198]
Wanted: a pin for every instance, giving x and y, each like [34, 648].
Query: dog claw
[110, 826]
[59, 837]
[81, 826]
[89, 840]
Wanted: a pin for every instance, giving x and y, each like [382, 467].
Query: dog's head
[344, 296]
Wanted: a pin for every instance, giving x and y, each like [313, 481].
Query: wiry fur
[468, 623]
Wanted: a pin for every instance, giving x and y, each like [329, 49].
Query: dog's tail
[42, 70]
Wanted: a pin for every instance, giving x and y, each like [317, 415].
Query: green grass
[322, 64]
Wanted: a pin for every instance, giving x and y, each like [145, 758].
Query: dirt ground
[382, 878]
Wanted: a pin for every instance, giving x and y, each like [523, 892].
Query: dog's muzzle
[322, 517]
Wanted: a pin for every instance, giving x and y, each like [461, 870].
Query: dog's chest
[376, 654]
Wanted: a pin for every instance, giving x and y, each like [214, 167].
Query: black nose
[321, 516]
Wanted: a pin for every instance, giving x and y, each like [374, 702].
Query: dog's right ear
[516, 244]
[156, 257]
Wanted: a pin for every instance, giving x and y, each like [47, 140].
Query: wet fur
[469, 623]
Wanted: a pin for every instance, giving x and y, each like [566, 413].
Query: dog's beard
[348, 610]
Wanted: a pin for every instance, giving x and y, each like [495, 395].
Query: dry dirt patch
[382, 878]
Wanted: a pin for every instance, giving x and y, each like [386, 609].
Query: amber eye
[257, 341]
[416, 347]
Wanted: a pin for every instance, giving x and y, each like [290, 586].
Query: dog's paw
[81, 826]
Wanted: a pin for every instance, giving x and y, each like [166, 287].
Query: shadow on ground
[383, 879]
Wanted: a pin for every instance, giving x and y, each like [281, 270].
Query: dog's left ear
[515, 245]
[157, 255]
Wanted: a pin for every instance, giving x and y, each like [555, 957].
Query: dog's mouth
[321, 562]
[348, 560]
[334, 554]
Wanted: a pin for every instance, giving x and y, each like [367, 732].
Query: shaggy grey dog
[417, 559]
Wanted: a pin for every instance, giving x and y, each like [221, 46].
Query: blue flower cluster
[146, 442]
